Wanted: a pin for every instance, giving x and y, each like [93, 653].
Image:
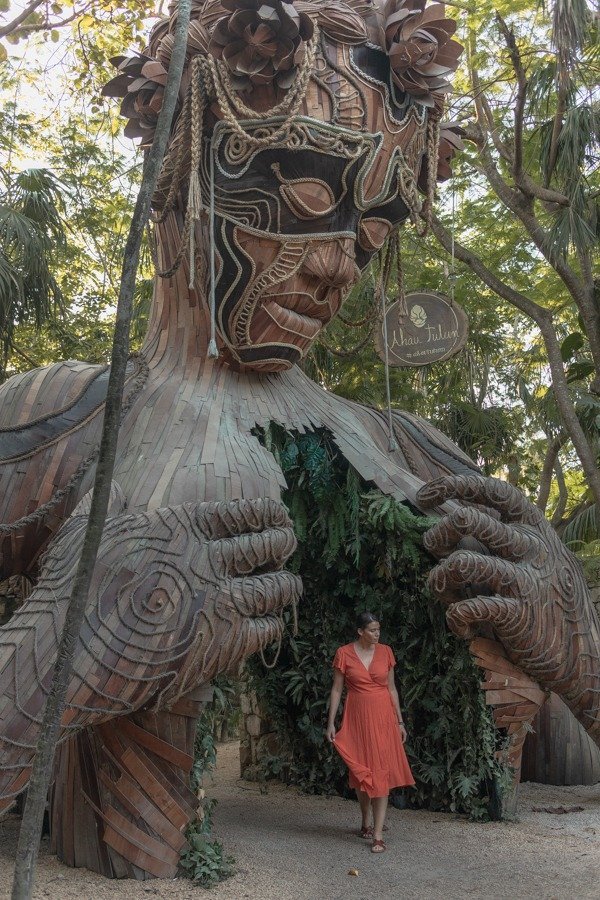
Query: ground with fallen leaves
[289, 846]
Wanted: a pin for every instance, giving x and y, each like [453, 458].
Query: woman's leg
[365, 807]
[379, 809]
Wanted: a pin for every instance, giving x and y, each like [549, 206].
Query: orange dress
[369, 739]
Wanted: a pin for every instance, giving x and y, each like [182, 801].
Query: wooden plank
[164, 750]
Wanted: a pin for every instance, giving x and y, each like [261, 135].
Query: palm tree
[31, 231]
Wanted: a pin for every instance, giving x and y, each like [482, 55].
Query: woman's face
[370, 633]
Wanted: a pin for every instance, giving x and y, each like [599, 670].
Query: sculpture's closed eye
[373, 233]
[307, 198]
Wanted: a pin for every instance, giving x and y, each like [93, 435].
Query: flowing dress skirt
[369, 739]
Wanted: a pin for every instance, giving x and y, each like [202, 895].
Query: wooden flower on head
[339, 22]
[261, 41]
[140, 82]
[422, 55]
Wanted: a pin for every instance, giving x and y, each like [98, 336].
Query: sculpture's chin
[284, 326]
[243, 361]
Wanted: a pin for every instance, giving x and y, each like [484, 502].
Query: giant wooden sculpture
[302, 134]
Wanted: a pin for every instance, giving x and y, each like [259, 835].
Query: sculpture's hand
[530, 588]
[177, 596]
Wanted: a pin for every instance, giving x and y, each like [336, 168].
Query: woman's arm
[334, 702]
[396, 701]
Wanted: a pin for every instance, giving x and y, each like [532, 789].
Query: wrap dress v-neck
[369, 739]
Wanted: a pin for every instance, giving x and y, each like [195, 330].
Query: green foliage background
[204, 859]
[360, 550]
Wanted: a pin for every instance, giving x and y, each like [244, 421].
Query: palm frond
[39, 195]
[583, 529]
[31, 228]
[570, 24]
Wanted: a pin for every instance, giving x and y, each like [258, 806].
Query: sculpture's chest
[183, 445]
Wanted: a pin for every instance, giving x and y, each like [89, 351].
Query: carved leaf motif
[418, 316]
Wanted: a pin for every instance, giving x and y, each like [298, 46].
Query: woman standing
[371, 738]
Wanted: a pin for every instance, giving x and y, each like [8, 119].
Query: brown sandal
[366, 831]
[378, 847]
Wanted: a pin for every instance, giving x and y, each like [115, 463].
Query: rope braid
[183, 126]
[432, 149]
[384, 281]
[210, 78]
[231, 103]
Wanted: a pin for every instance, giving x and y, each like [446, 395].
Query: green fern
[359, 549]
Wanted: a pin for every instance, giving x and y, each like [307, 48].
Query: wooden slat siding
[139, 805]
[172, 780]
[575, 758]
[514, 697]
[166, 751]
[123, 837]
[150, 796]
[155, 788]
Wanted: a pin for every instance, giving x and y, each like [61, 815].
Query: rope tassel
[195, 210]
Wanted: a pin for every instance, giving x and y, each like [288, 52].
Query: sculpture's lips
[291, 321]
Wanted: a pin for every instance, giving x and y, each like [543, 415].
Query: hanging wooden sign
[433, 329]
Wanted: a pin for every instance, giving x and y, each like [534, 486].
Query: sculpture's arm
[50, 424]
[178, 595]
[523, 582]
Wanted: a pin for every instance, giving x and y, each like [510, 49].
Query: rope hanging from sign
[452, 273]
[402, 306]
[384, 281]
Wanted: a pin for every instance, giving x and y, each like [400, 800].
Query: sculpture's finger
[465, 570]
[242, 555]
[503, 613]
[259, 633]
[506, 541]
[259, 595]
[500, 495]
[233, 517]
[231, 646]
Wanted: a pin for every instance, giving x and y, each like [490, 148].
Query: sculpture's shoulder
[419, 447]
[52, 396]
[397, 461]
[429, 451]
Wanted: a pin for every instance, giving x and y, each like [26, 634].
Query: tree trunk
[547, 472]
[31, 827]
[543, 319]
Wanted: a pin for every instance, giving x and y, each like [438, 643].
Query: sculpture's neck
[179, 326]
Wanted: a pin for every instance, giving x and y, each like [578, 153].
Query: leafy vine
[359, 549]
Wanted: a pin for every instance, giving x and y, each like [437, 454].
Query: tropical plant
[31, 231]
[203, 860]
[359, 549]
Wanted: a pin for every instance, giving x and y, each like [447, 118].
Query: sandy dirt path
[289, 846]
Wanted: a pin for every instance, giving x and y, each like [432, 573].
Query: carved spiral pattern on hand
[177, 596]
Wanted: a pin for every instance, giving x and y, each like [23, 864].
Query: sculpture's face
[300, 210]
[297, 221]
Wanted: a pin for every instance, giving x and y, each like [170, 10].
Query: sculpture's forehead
[351, 112]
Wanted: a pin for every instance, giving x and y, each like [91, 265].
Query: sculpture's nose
[333, 262]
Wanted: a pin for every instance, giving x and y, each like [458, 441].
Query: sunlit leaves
[31, 229]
